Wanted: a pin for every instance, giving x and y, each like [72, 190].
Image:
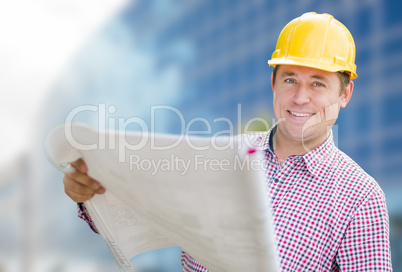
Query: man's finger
[79, 188]
[85, 180]
[101, 190]
[78, 192]
[77, 197]
[80, 165]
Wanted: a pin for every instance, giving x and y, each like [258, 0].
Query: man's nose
[301, 95]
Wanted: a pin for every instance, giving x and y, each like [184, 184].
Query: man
[329, 215]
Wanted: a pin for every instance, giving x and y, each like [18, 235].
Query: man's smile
[300, 114]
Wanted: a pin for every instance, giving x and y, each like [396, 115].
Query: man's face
[307, 103]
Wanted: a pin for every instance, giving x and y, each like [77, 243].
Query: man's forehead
[295, 70]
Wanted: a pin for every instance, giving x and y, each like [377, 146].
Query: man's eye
[288, 80]
[318, 84]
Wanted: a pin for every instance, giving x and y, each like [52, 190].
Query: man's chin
[298, 132]
[295, 135]
[300, 135]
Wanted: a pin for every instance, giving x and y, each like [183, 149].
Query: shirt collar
[266, 143]
[313, 159]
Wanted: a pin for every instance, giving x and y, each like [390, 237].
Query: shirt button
[276, 180]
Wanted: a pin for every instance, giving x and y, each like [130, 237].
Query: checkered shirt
[84, 214]
[329, 215]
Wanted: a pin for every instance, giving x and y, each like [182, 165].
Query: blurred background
[206, 59]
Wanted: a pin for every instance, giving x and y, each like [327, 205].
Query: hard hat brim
[321, 65]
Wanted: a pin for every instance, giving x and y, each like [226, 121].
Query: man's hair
[343, 77]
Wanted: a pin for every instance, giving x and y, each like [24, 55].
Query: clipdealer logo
[113, 131]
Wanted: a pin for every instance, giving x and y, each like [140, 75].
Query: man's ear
[272, 82]
[347, 94]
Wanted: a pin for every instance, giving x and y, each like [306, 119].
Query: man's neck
[283, 148]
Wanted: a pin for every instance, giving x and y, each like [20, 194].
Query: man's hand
[79, 186]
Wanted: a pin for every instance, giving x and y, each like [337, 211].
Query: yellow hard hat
[318, 41]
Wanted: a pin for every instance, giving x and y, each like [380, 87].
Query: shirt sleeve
[365, 246]
[84, 214]
[191, 265]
